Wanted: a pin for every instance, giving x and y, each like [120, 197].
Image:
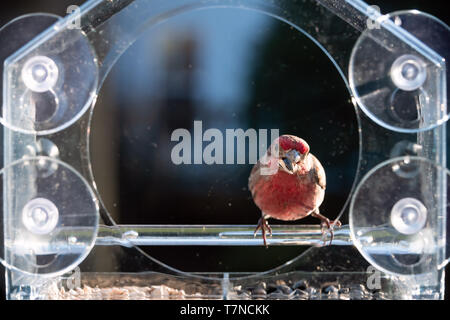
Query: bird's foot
[327, 226]
[264, 226]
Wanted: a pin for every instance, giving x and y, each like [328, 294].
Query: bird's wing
[319, 173]
[254, 174]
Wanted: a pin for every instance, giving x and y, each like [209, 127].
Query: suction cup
[50, 216]
[51, 74]
[395, 212]
[17, 33]
[395, 86]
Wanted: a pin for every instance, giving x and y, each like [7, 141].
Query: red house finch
[288, 183]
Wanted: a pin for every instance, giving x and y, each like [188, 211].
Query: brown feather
[319, 173]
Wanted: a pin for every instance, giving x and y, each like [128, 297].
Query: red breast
[286, 196]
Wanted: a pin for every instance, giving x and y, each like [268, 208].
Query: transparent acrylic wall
[94, 151]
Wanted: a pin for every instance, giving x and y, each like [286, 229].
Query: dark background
[224, 199]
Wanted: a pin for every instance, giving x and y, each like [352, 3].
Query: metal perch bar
[217, 235]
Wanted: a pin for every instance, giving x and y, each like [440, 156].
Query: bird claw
[327, 226]
[264, 226]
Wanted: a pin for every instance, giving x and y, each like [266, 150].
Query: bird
[288, 183]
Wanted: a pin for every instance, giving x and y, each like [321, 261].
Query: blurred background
[229, 69]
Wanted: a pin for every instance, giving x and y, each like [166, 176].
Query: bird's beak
[286, 165]
[289, 163]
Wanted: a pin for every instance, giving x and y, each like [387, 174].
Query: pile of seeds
[302, 290]
[116, 293]
[278, 290]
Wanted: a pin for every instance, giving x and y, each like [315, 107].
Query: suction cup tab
[399, 80]
[394, 215]
[50, 216]
[52, 80]
[40, 216]
[408, 216]
[40, 74]
[408, 72]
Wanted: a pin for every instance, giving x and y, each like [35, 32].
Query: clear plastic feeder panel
[383, 142]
